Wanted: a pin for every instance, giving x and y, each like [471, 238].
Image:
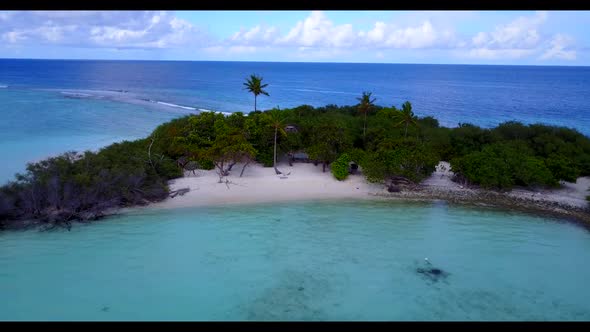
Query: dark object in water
[300, 289]
[105, 309]
[432, 273]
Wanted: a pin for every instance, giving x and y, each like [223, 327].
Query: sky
[436, 37]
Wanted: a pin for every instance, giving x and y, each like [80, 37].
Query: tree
[255, 86]
[365, 106]
[229, 149]
[406, 117]
[502, 165]
[277, 119]
[406, 159]
[328, 140]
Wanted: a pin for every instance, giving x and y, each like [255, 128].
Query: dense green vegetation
[82, 186]
[340, 167]
[389, 144]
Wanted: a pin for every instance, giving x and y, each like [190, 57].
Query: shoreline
[491, 199]
[306, 182]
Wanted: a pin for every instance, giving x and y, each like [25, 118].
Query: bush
[265, 158]
[206, 164]
[406, 158]
[562, 168]
[340, 167]
[503, 165]
[76, 186]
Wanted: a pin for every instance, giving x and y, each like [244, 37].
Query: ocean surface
[50, 106]
[346, 260]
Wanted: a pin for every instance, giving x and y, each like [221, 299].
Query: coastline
[308, 182]
[492, 199]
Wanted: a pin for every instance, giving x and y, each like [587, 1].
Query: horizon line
[323, 62]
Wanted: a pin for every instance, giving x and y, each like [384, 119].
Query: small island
[364, 151]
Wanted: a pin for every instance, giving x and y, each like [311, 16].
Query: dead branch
[179, 192]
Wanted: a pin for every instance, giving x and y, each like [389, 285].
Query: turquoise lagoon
[337, 260]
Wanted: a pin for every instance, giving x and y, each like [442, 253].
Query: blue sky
[470, 37]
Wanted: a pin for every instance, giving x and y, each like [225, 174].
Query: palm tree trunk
[255, 102]
[275, 154]
[365, 128]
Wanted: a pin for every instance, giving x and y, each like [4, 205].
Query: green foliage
[503, 165]
[254, 85]
[81, 186]
[328, 139]
[468, 138]
[405, 117]
[206, 164]
[340, 167]
[562, 168]
[406, 158]
[357, 155]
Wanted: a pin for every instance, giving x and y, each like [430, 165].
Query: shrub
[406, 158]
[340, 167]
[503, 165]
[206, 164]
[265, 158]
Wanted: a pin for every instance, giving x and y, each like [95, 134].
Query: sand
[307, 182]
[261, 185]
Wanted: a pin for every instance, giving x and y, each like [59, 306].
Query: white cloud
[489, 54]
[424, 35]
[242, 49]
[520, 38]
[521, 33]
[13, 37]
[258, 35]
[116, 29]
[559, 43]
[318, 31]
[315, 36]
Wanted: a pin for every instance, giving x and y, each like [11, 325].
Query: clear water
[342, 260]
[38, 120]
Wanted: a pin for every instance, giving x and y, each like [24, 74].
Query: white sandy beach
[308, 182]
[261, 185]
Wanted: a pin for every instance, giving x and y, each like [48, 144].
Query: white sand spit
[308, 182]
[261, 184]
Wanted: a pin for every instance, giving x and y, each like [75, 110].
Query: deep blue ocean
[50, 106]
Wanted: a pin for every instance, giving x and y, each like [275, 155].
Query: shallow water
[346, 260]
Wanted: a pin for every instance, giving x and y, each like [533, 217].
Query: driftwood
[179, 192]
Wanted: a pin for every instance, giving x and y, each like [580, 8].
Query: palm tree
[276, 121]
[365, 106]
[254, 85]
[406, 116]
